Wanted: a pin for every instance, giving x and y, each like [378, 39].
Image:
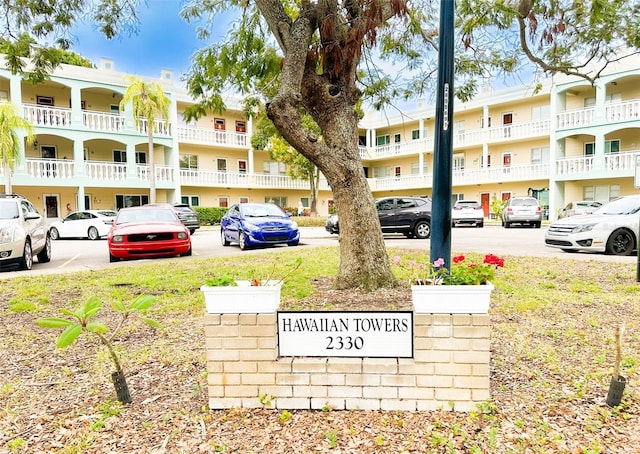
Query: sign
[346, 334]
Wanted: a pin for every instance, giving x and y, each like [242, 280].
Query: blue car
[258, 224]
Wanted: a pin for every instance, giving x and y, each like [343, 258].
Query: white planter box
[243, 299]
[451, 299]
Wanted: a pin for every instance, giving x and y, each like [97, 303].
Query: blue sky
[164, 41]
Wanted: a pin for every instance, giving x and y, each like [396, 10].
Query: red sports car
[145, 232]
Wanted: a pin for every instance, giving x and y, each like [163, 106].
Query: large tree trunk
[364, 262]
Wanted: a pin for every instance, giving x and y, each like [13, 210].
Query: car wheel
[54, 233]
[506, 225]
[223, 239]
[293, 243]
[192, 231]
[422, 230]
[538, 225]
[113, 258]
[93, 233]
[44, 256]
[621, 242]
[480, 225]
[242, 241]
[27, 257]
[188, 253]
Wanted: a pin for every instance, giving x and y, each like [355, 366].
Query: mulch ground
[549, 380]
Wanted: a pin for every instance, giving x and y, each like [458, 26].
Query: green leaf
[69, 313]
[142, 303]
[151, 322]
[91, 307]
[53, 322]
[67, 337]
[118, 305]
[97, 327]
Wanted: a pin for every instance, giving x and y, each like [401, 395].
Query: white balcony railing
[211, 136]
[55, 117]
[575, 118]
[614, 164]
[574, 165]
[623, 111]
[106, 171]
[194, 177]
[59, 169]
[102, 121]
[161, 128]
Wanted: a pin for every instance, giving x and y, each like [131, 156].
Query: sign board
[374, 334]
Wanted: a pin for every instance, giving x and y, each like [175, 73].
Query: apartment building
[564, 140]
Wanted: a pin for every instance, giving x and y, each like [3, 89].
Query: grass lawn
[552, 349]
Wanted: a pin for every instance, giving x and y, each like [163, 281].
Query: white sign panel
[346, 334]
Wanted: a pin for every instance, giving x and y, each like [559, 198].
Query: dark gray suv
[410, 216]
[186, 214]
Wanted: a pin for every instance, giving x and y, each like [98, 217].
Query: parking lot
[78, 255]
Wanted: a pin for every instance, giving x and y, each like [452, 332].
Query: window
[223, 202]
[539, 155]
[244, 200]
[456, 196]
[219, 124]
[305, 201]
[397, 138]
[382, 140]
[609, 99]
[507, 119]
[540, 113]
[398, 171]
[415, 168]
[141, 157]
[242, 166]
[114, 109]
[189, 161]
[48, 152]
[601, 193]
[4, 95]
[274, 168]
[193, 200]
[241, 126]
[123, 201]
[119, 156]
[610, 146]
[381, 172]
[280, 201]
[458, 162]
[415, 134]
[44, 101]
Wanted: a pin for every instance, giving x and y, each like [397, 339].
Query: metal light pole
[443, 148]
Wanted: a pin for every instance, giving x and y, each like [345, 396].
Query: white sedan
[91, 224]
[467, 212]
[612, 228]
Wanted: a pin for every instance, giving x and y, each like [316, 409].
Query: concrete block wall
[449, 370]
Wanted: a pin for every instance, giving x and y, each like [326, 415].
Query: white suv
[23, 233]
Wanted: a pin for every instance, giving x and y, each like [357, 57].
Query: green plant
[332, 437]
[81, 322]
[285, 416]
[258, 276]
[460, 274]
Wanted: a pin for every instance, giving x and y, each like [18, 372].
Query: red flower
[458, 259]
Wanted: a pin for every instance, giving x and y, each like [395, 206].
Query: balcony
[614, 113]
[614, 165]
[466, 176]
[56, 117]
[191, 177]
[203, 136]
[465, 138]
[98, 172]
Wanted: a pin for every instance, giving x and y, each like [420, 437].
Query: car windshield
[261, 211]
[524, 202]
[9, 211]
[109, 214]
[623, 205]
[146, 215]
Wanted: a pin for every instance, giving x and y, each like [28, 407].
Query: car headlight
[182, 235]
[294, 225]
[583, 228]
[251, 227]
[117, 239]
[7, 234]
